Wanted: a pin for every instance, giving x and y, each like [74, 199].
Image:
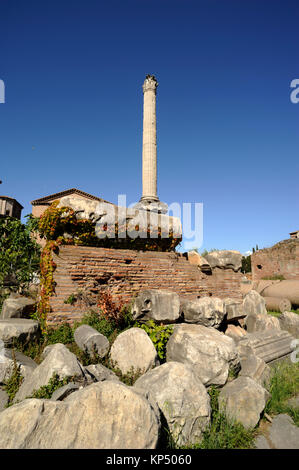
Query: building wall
[10, 207]
[126, 272]
[280, 259]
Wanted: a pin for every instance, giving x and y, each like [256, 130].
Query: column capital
[150, 83]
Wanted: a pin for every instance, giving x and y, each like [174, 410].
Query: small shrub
[84, 357]
[159, 334]
[71, 299]
[14, 382]
[32, 349]
[61, 334]
[46, 391]
[113, 312]
[98, 322]
[130, 377]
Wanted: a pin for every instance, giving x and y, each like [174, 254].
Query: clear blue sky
[228, 134]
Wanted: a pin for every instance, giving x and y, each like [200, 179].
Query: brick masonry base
[281, 259]
[125, 273]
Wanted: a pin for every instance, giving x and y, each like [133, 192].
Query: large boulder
[100, 373]
[209, 352]
[58, 361]
[181, 397]
[90, 340]
[257, 318]
[289, 321]
[158, 305]
[261, 322]
[282, 434]
[225, 259]
[3, 400]
[133, 350]
[206, 311]
[18, 329]
[254, 304]
[105, 415]
[16, 306]
[243, 400]
[235, 332]
[63, 392]
[195, 258]
[9, 359]
[255, 368]
[234, 309]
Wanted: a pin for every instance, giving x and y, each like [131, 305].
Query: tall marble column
[149, 199]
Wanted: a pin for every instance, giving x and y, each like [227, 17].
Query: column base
[151, 203]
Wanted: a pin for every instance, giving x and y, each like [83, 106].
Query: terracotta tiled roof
[47, 199]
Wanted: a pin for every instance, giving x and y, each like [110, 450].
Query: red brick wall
[126, 272]
[280, 259]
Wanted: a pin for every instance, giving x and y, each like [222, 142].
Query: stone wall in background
[281, 259]
[126, 272]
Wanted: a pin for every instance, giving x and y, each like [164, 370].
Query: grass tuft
[283, 386]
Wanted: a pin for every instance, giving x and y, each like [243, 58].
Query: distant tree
[246, 264]
[19, 253]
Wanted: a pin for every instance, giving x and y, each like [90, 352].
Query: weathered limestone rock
[225, 259]
[256, 369]
[254, 304]
[155, 304]
[234, 309]
[16, 306]
[235, 332]
[105, 415]
[269, 345]
[47, 350]
[261, 443]
[200, 261]
[206, 311]
[61, 393]
[18, 329]
[294, 402]
[261, 322]
[209, 352]
[84, 208]
[243, 400]
[133, 349]
[257, 318]
[284, 434]
[3, 400]
[289, 321]
[90, 340]
[100, 373]
[26, 364]
[60, 361]
[181, 397]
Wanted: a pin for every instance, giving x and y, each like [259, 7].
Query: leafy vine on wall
[59, 226]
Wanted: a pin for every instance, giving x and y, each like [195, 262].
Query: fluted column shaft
[149, 145]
